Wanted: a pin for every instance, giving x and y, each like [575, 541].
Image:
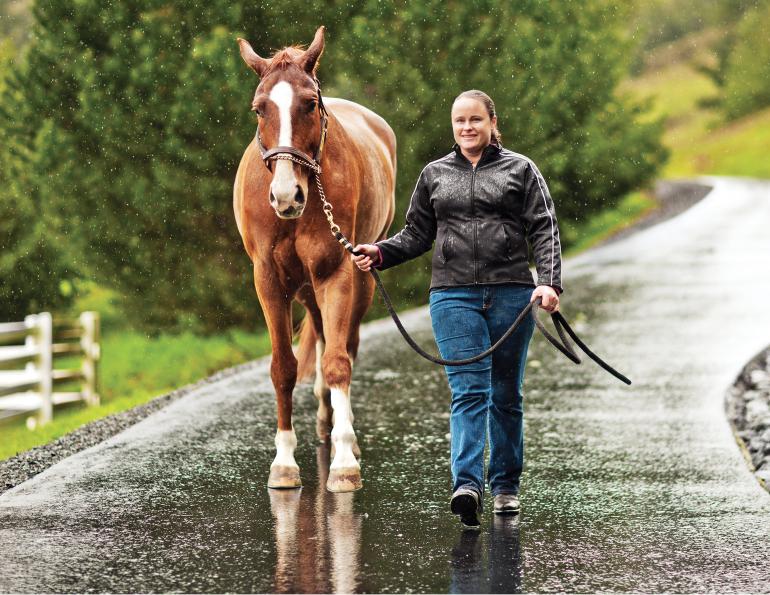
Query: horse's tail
[306, 350]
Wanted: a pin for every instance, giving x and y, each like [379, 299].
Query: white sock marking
[343, 435]
[285, 443]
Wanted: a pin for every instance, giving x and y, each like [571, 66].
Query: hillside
[701, 142]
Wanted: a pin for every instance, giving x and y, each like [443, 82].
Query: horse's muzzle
[290, 212]
[294, 207]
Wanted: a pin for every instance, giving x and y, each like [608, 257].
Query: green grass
[737, 149]
[136, 368]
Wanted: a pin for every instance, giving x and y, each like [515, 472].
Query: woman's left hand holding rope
[550, 299]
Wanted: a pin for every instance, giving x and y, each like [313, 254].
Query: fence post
[90, 343]
[43, 323]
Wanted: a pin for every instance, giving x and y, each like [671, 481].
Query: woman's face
[471, 125]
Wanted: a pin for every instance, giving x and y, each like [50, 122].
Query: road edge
[747, 406]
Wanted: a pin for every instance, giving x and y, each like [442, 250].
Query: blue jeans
[486, 395]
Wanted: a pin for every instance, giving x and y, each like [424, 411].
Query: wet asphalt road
[637, 488]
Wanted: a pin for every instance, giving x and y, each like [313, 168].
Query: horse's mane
[284, 58]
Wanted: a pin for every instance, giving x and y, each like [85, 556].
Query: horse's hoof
[283, 477]
[346, 479]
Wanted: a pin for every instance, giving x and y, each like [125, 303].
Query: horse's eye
[311, 106]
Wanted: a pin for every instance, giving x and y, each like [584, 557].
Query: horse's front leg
[284, 472]
[334, 298]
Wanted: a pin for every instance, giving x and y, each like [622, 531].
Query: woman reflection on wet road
[484, 207]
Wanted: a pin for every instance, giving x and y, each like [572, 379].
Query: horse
[287, 236]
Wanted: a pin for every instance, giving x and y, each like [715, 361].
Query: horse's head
[286, 102]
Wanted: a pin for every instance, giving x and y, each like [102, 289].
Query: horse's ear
[309, 60]
[255, 62]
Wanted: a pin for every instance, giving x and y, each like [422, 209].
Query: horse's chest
[296, 259]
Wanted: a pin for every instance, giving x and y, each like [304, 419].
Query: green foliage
[127, 120]
[31, 267]
[747, 73]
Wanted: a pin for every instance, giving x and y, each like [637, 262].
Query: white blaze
[283, 96]
[284, 185]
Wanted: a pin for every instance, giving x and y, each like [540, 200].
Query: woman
[482, 205]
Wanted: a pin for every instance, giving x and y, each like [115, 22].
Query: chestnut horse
[285, 232]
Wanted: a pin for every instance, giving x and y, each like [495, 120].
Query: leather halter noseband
[293, 154]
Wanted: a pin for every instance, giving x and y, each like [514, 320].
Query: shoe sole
[509, 511]
[465, 506]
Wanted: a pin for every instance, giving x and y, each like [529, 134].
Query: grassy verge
[135, 369]
[630, 209]
[736, 149]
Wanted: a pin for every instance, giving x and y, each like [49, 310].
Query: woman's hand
[549, 296]
[370, 255]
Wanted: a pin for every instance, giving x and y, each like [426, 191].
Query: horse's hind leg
[320, 388]
[284, 471]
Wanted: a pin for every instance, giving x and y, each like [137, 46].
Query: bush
[747, 76]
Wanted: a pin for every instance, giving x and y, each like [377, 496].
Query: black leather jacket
[481, 220]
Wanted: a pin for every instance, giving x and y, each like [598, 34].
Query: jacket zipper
[473, 219]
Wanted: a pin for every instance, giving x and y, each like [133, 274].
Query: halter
[290, 153]
[312, 163]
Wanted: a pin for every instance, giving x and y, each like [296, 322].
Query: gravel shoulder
[748, 410]
[673, 196]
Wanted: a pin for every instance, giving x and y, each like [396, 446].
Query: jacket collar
[490, 152]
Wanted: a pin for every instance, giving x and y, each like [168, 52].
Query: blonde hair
[486, 100]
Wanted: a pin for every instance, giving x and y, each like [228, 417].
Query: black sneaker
[465, 503]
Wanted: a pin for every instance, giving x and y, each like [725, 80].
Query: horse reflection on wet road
[318, 545]
[317, 537]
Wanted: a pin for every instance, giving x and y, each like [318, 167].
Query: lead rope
[559, 322]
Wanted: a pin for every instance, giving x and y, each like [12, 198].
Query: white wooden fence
[28, 354]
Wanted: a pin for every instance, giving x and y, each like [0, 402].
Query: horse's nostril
[299, 196]
[272, 199]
